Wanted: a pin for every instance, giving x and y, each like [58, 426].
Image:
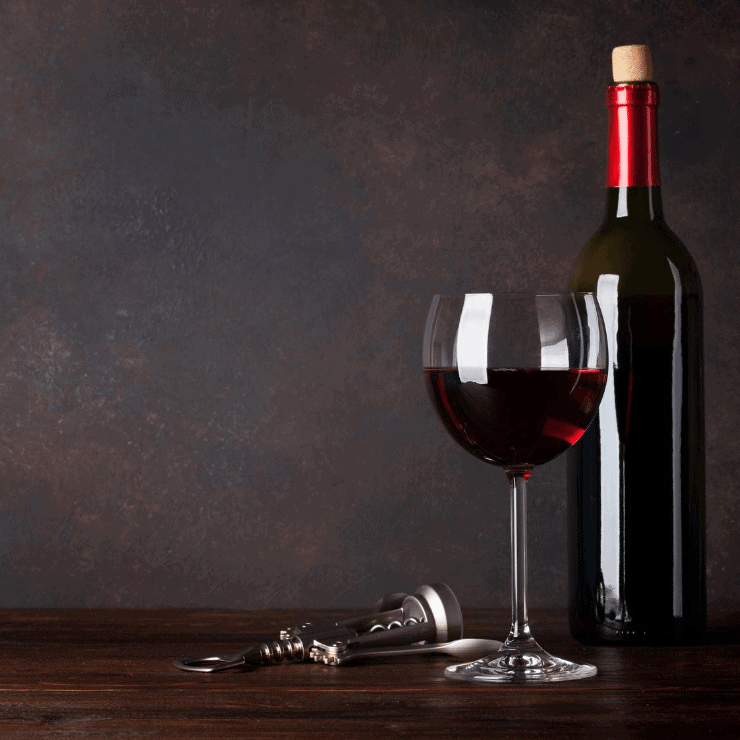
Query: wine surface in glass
[520, 417]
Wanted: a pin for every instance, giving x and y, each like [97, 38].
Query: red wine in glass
[520, 416]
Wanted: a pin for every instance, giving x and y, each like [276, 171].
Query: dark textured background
[222, 223]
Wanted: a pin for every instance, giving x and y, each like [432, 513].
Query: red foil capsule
[633, 135]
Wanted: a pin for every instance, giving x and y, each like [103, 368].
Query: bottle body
[636, 479]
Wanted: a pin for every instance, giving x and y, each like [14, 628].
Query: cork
[632, 63]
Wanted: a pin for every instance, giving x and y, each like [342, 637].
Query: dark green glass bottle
[636, 479]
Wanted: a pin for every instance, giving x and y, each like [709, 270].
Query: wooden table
[108, 673]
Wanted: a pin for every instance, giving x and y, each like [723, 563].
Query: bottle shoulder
[646, 255]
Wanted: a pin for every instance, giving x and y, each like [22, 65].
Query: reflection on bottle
[677, 413]
[600, 597]
[611, 596]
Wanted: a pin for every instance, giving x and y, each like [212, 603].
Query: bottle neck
[632, 174]
[642, 203]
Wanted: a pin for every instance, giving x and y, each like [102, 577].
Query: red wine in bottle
[636, 480]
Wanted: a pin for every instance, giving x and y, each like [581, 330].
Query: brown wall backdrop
[222, 223]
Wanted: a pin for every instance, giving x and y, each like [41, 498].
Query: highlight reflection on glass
[612, 558]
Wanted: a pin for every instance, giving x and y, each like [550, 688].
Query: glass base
[514, 666]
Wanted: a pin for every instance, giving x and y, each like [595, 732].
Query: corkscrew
[429, 621]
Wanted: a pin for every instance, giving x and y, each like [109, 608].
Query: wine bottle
[636, 479]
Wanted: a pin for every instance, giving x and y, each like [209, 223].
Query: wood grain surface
[108, 673]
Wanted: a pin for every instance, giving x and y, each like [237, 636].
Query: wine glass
[516, 379]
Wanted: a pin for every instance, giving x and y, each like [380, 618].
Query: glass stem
[520, 638]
